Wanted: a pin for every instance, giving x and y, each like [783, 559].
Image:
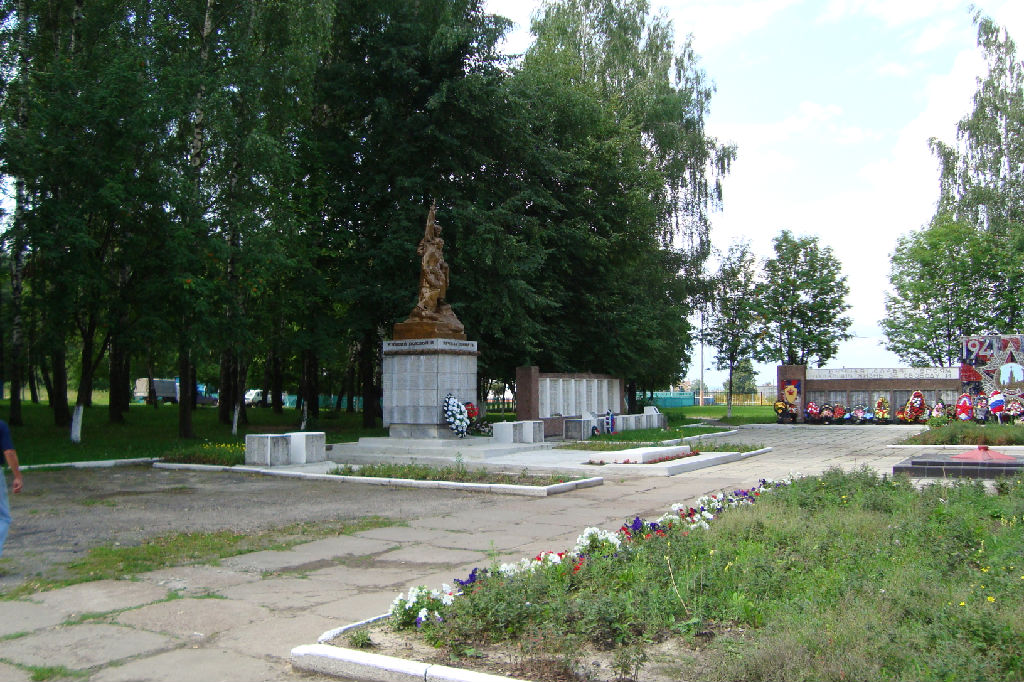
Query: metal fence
[690, 398]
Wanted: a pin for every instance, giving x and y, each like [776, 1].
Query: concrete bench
[299, 447]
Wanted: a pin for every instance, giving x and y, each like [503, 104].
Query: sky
[831, 104]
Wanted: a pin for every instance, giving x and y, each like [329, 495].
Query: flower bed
[839, 576]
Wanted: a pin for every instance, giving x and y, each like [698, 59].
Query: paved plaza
[271, 601]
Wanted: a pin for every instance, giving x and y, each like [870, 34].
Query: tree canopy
[233, 193]
[962, 274]
[803, 302]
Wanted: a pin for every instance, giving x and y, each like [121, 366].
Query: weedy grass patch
[113, 562]
[842, 576]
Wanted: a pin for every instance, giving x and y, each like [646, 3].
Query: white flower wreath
[455, 414]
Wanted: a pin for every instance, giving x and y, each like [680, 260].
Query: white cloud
[937, 36]
[891, 13]
[715, 23]
[893, 69]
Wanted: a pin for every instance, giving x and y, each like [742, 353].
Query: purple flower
[470, 580]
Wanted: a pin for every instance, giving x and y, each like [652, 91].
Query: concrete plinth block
[305, 447]
[535, 431]
[503, 432]
[266, 449]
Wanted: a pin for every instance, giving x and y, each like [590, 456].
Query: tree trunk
[59, 394]
[367, 364]
[89, 364]
[228, 394]
[185, 429]
[120, 383]
[17, 245]
[350, 387]
[728, 394]
[151, 392]
[311, 383]
[33, 386]
[14, 417]
[243, 414]
[276, 383]
[47, 383]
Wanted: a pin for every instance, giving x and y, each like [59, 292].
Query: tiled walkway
[268, 602]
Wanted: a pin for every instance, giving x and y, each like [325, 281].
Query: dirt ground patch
[62, 513]
[672, 660]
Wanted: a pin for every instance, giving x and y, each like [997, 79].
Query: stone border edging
[352, 664]
[686, 464]
[328, 659]
[94, 464]
[498, 488]
[711, 435]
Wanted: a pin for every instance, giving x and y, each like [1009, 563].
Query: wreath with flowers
[882, 408]
[456, 415]
[812, 411]
[915, 409]
[1014, 408]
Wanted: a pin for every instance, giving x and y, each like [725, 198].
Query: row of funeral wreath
[979, 408]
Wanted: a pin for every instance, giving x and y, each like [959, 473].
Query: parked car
[253, 397]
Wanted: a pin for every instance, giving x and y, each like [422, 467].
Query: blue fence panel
[669, 399]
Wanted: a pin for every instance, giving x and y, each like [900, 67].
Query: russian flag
[996, 402]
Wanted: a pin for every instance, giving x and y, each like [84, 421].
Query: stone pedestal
[417, 374]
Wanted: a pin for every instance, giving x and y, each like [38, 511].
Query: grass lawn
[843, 576]
[741, 414]
[457, 472]
[970, 433]
[153, 432]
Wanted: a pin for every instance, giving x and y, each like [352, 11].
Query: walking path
[240, 620]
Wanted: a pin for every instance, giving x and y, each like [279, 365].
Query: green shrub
[842, 576]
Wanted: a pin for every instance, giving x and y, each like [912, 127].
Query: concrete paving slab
[307, 554]
[358, 578]
[25, 616]
[483, 542]
[400, 534]
[270, 560]
[277, 635]
[357, 607]
[83, 646]
[10, 673]
[346, 545]
[100, 597]
[282, 594]
[197, 665]
[426, 554]
[195, 580]
[193, 619]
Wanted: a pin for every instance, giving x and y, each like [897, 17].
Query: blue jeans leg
[5, 512]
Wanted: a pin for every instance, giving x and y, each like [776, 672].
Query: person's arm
[11, 456]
